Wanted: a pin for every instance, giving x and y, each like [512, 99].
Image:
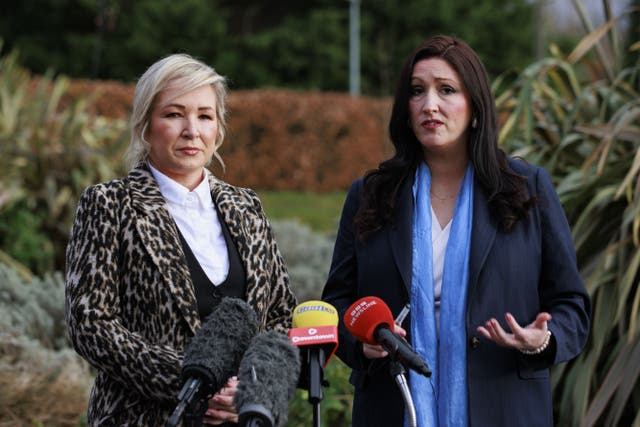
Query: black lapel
[400, 232]
[482, 235]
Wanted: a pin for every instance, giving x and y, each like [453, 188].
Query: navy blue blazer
[525, 271]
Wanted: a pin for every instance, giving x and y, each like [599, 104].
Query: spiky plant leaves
[579, 117]
[51, 148]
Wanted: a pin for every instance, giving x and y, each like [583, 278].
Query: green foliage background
[291, 43]
[578, 115]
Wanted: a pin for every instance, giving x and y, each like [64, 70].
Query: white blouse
[197, 219]
[439, 240]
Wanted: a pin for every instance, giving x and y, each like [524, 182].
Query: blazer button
[475, 342]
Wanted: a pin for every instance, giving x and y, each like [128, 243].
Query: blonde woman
[152, 254]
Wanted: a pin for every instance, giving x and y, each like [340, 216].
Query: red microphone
[370, 321]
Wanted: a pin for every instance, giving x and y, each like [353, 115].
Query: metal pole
[354, 47]
[539, 50]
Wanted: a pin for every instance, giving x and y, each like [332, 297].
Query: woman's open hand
[526, 338]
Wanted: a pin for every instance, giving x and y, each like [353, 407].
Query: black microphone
[267, 380]
[400, 349]
[213, 355]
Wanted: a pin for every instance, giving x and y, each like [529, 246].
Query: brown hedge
[280, 139]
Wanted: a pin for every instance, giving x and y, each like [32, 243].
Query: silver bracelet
[540, 349]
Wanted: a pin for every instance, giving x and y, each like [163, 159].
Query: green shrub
[22, 235]
[49, 152]
[307, 255]
[336, 404]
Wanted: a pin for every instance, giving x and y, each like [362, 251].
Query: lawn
[320, 211]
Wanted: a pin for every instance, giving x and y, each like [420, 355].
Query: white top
[197, 219]
[439, 240]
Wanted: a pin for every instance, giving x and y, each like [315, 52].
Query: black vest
[208, 295]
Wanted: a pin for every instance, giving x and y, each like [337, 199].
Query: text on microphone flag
[327, 336]
[314, 313]
[359, 308]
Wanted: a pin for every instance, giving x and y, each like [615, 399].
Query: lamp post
[354, 47]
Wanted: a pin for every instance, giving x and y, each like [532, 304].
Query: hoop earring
[474, 123]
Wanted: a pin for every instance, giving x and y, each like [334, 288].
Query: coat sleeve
[341, 288]
[94, 324]
[562, 291]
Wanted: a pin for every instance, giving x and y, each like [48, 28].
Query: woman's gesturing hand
[526, 339]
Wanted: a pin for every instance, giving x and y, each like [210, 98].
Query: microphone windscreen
[268, 375]
[364, 316]
[214, 353]
[314, 313]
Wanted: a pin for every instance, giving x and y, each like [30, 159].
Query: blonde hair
[191, 74]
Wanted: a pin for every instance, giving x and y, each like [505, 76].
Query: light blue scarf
[440, 400]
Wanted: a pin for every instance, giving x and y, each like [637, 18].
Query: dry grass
[39, 387]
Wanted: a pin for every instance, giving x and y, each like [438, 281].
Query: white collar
[177, 193]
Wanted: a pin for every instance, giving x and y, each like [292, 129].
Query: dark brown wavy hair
[506, 190]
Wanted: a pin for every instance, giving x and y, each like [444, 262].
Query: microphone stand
[397, 372]
[194, 414]
[316, 362]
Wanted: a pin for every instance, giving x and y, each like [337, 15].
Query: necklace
[442, 198]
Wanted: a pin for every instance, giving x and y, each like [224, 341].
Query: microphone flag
[369, 319]
[315, 324]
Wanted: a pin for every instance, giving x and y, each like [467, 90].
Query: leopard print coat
[130, 302]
